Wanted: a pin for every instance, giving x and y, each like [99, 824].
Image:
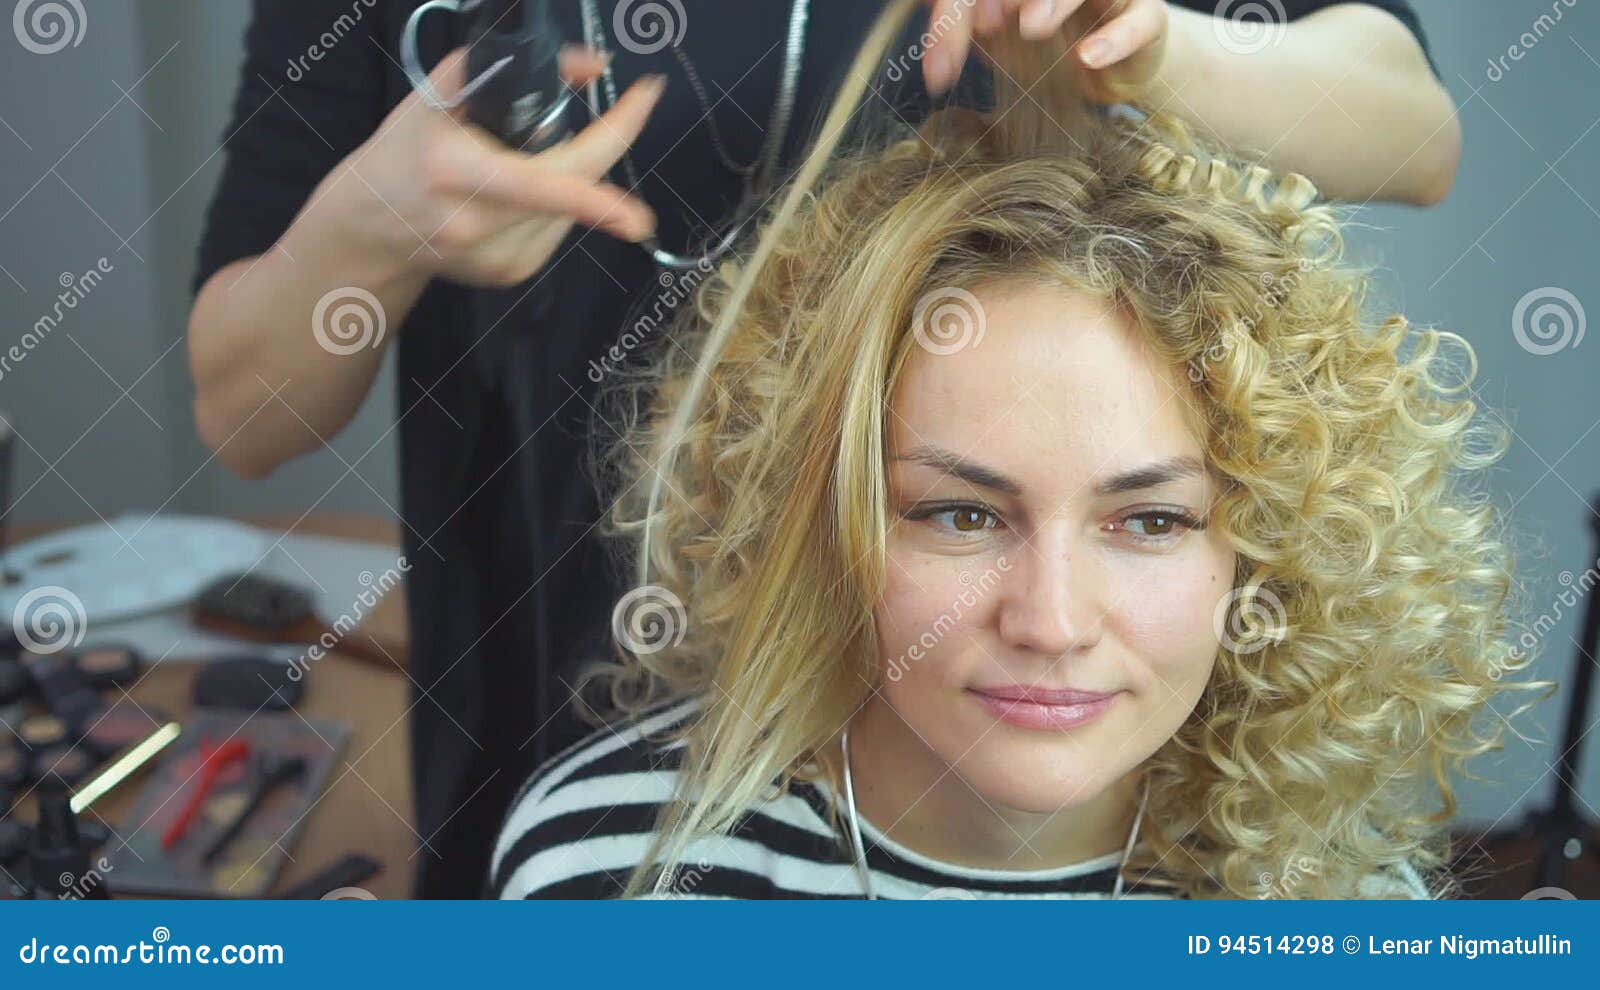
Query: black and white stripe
[584, 820]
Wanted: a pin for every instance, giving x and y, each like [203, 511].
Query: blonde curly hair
[1371, 595]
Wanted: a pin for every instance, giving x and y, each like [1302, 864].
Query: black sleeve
[301, 106]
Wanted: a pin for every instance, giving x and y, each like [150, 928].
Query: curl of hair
[750, 481]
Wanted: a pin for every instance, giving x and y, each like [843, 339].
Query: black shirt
[508, 587]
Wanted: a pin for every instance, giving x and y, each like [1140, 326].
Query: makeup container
[58, 857]
[71, 763]
[122, 725]
[107, 666]
[65, 691]
[15, 684]
[13, 844]
[38, 732]
[13, 841]
[11, 716]
[13, 767]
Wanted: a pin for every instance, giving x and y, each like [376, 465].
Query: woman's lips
[1039, 708]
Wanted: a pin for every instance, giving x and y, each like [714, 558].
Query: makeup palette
[255, 850]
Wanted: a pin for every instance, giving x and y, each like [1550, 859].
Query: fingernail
[1036, 16]
[1095, 52]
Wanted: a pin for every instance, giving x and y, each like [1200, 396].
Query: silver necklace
[865, 873]
[757, 173]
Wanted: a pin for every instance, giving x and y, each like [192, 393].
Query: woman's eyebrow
[1151, 475]
[1145, 476]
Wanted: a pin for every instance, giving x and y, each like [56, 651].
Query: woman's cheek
[1170, 623]
[917, 616]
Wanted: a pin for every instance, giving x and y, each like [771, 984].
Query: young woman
[1034, 513]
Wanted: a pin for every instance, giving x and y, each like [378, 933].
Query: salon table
[365, 807]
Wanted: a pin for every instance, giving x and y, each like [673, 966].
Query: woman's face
[1048, 512]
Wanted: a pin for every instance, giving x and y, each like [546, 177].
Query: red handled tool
[213, 760]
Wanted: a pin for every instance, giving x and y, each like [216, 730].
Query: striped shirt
[585, 819]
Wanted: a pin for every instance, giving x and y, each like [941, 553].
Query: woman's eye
[1158, 524]
[961, 518]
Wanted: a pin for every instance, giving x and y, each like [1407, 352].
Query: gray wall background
[109, 151]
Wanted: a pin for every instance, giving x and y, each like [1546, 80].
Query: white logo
[54, 25]
[49, 619]
[348, 320]
[948, 320]
[1245, 27]
[646, 618]
[652, 25]
[1548, 320]
[1254, 625]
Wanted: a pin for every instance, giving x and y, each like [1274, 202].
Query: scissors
[514, 88]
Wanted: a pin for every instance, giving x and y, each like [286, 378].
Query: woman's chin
[1024, 779]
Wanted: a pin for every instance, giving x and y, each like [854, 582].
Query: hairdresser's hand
[1117, 46]
[448, 197]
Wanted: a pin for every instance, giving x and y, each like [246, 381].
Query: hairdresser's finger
[594, 204]
[593, 150]
[447, 80]
[579, 64]
[950, 23]
[1136, 25]
[1042, 18]
[988, 17]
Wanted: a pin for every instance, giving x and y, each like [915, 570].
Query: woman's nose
[1053, 602]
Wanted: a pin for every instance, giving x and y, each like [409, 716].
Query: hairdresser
[351, 218]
